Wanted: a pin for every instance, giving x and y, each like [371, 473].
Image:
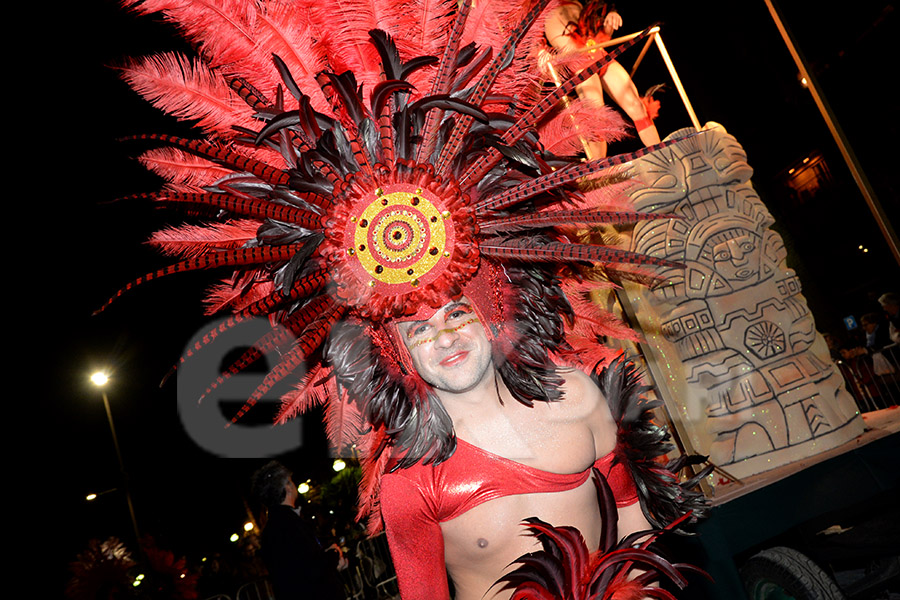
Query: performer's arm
[415, 540]
[612, 22]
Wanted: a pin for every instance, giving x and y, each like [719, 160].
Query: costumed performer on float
[571, 30]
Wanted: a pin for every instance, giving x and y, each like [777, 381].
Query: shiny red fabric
[415, 501]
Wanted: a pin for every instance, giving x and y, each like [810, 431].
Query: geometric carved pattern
[764, 390]
[817, 421]
[764, 339]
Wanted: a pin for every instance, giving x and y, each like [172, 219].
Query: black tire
[781, 573]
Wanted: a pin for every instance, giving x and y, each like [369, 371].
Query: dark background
[77, 246]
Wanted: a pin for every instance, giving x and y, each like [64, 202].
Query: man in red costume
[409, 245]
[511, 462]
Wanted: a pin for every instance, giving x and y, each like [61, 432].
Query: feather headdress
[362, 159]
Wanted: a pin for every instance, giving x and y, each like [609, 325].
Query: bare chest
[480, 544]
[551, 442]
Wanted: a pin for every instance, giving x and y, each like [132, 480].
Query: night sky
[736, 71]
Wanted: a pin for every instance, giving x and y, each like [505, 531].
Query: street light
[95, 495]
[100, 379]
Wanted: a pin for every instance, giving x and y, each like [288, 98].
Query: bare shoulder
[582, 395]
[583, 401]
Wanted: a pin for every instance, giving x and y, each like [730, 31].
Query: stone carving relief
[735, 317]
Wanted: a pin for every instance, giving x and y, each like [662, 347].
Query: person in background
[298, 565]
[890, 303]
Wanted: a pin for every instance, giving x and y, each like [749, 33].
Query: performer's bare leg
[620, 87]
[592, 89]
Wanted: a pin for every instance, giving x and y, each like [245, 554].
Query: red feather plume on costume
[235, 296]
[189, 241]
[308, 393]
[610, 194]
[188, 89]
[373, 462]
[181, 168]
[583, 120]
[348, 25]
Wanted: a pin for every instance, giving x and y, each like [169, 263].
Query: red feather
[441, 82]
[244, 205]
[607, 192]
[190, 241]
[586, 120]
[308, 393]
[212, 260]
[189, 90]
[236, 161]
[305, 345]
[570, 218]
[373, 460]
[230, 295]
[348, 23]
[531, 250]
[426, 28]
[182, 168]
[345, 426]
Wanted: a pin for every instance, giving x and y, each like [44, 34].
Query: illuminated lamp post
[100, 379]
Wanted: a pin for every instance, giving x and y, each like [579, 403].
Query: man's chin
[453, 384]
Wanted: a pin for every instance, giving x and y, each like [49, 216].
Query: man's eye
[459, 312]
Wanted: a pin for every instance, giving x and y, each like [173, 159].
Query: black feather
[286, 76]
[383, 91]
[414, 64]
[387, 50]
[642, 443]
[345, 87]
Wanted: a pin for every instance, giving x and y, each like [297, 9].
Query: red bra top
[416, 500]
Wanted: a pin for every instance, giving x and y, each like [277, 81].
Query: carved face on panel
[736, 256]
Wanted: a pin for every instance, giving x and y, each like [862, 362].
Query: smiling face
[450, 350]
